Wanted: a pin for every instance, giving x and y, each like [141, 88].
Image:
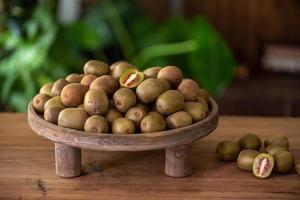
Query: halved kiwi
[131, 78]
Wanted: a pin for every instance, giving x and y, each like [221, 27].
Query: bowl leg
[178, 161]
[67, 160]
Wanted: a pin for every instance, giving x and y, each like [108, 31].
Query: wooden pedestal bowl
[177, 142]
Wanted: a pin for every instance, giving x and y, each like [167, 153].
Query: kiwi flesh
[263, 165]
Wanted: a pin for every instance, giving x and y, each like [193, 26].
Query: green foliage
[41, 50]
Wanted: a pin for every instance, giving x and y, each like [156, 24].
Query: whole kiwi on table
[121, 99]
[275, 157]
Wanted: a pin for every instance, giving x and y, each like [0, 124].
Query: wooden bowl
[177, 142]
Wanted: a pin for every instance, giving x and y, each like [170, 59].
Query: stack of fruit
[274, 157]
[122, 100]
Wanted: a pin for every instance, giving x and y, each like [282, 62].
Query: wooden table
[27, 167]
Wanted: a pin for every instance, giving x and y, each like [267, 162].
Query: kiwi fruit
[106, 83]
[203, 94]
[124, 99]
[135, 114]
[39, 101]
[96, 124]
[250, 141]
[272, 149]
[178, 120]
[152, 122]
[54, 102]
[96, 67]
[88, 79]
[152, 72]
[189, 89]
[112, 115]
[121, 62]
[131, 78]
[74, 78]
[123, 126]
[202, 101]
[46, 89]
[156, 114]
[119, 68]
[279, 140]
[197, 110]
[72, 95]
[228, 150]
[143, 106]
[149, 90]
[284, 162]
[96, 102]
[172, 74]
[72, 118]
[169, 102]
[165, 84]
[263, 165]
[297, 166]
[51, 114]
[246, 159]
[58, 86]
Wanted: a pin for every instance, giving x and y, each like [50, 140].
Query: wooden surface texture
[27, 167]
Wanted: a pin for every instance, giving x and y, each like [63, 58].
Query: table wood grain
[27, 167]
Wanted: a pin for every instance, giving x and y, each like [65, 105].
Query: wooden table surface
[27, 169]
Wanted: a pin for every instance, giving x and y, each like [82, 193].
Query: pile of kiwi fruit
[121, 99]
[262, 161]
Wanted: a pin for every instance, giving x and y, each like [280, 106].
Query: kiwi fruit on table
[96, 67]
[96, 102]
[263, 165]
[72, 95]
[88, 79]
[250, 141]
[228, 150]
[246, 159]
[46, 89]
[96, 124]
[272, 149]
[189, 88]
[74, 78]
[169, 102]
[172, 74]
[106, 83]
[39, 101]
[122, 99]
[58, 86]
[152, 72]
[284, 162]
[123, 126]
[279, 140]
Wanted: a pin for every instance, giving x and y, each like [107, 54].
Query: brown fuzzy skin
[169, 102]
[54, 102]
[58, 86]
[118, 63]
[203, 94]
[96, 102]
[74, 78]
[73, 94]
[149, 90]
[73, 118]
[172, 74]
[165, 84]
[39, 101]
[88, 79]
[178, 120]
[124, 99]
[119, 68]
[123, 126]
[202, 101]
[106, 83]
[51, 114]
[96, 124]
[284, 162]
[152, 72]
[196, 110]
[143, 106]
[135, 114]
[152, 123]
[112, 115]
[46, 89]
[189, 89]
[96, 67]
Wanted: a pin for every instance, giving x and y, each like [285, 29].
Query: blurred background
[245, 53]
